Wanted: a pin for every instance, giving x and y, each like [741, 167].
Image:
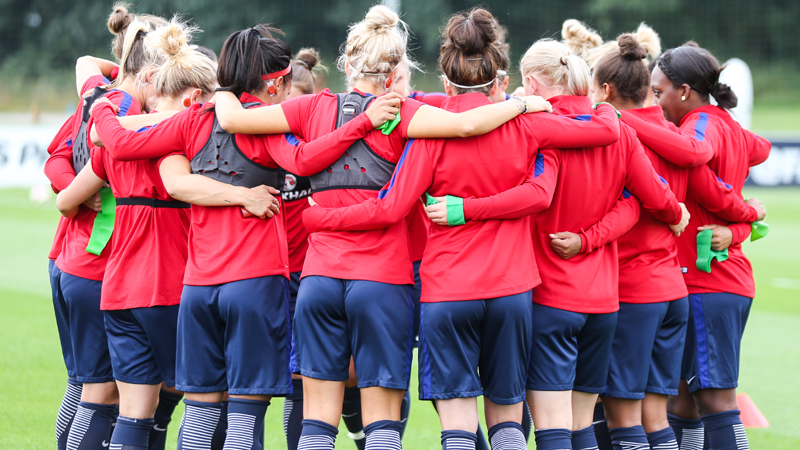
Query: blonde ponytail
[132, 58]
[553, 64]
[180, 65]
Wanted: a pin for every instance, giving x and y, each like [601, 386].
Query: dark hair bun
[473, 33]
[630, 48]
[119, 19]
[724, 96]
[309, 57]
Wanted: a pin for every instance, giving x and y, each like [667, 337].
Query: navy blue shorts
[571, 351]
[80, 327]
[294, 288]
[476, 347]
[370, 321]
[142, 344]
[62, 313]
[235, 337]
[647, 349]
[714, 340]
[416, 293]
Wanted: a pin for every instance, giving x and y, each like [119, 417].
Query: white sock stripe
[197, 427]
[69, 405]
[742, 443]
[115, 447]
[316, 442]
[693, 438]
[633, 445]
[80, 424]
[240, 431]
[383, 439]
[508, 438]
[669, 445]
[288, 406]
[459, 444]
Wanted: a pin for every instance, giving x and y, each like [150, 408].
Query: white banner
[23, 152]
[782, 168]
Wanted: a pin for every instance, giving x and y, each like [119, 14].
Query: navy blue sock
[689, 433]
[458, 440]
[91, 427]
[167, 401]
[663, 439]
[383, 434]
[584, 439]
[405, 410]
[131, 434]
[200, 420]
[601, 428]
[724, 431]
[293, 415]
[553, 439]
[481, 443]
[527, 421]
[630, 438]
[507, 436]
[66, 412]
[221, 432]
[317, 435]
[245, 424]
[351, 414]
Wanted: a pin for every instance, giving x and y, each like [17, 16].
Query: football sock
[689, 433]
[383, 434]
[91, 427]
[317, 435]
[663, 439]
[66, 412]
[584, 439]
[630, 438]
[167, 401]
[131, 434]
[601, 428]
[527, 421]
[458, 440]
[405, 410]
[200, 420]
[553, 439]
[245, 424]
[481, 443]
[293, 415]
[351, 414]
[724, 431]
[221, 432]
[507, 436]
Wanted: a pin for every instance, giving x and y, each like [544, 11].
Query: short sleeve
[407, 111]
[93, 82]
[99, 162]
[297, 112]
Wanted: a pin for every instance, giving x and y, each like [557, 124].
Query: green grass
[32, 374]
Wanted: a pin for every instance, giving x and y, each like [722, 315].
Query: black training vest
[359, 167]
[222, 160]
[296, 187]
[80, 148]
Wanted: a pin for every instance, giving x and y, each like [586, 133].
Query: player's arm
[233, 118]
[684, 147]
[133, 123]
[721, 198]
[411, 178]
[618, 221]
[83, 187]
[181, 184]
[58, 167]
[590, 130]
[652, 190]
[758, 147]
[430, 122]
[126, 145]
[89, 66]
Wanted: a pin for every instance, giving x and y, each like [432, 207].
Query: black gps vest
[80, 149]
[222, 160]
[359, 167]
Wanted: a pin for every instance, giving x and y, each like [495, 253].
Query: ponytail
[698, 68]
[248, 56]
[553, 64]
[180, 66]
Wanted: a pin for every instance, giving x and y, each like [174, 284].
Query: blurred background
[41, 39]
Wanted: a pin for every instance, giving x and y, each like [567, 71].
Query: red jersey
[736, 150]
[381, 255]
[74, 259]
[149, 245]
[295, 200]
[58, 169]
[584, 184]
[481, 259]
[434, 99]
[223, 245]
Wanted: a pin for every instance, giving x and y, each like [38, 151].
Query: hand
[94, 202]
[438, 211]
[759, 207]
[384, 108]
[312, 202]
[518, 92]
[681, 226]
[566, 244]
[537, 104]
[101, 101]
[722, 237]
[260, 201]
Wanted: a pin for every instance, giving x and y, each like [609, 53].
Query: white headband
[468, 87]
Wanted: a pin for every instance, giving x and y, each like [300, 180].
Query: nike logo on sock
[104, 443]
[155, 427]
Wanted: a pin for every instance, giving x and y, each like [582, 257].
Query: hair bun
[630, 48]
[381, 19]
[473, 33]
[120, 18]
[309, 57]
[578, 37]
[172, 39]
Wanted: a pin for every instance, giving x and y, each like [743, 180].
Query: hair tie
[713, 88]
[303, 63]
[563, 61]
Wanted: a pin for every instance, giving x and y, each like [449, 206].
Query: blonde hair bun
[119, 18]
[579, 37]
[381, 19]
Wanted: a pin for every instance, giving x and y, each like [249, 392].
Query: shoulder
[93, 82]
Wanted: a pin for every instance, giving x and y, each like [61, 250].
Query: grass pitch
[32, 375]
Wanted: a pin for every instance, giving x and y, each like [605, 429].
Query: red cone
[751, 415]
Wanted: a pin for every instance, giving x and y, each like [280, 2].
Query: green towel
[455, 209]
[759, 230]
[103, 223]
[389, 125]
[704, 252]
